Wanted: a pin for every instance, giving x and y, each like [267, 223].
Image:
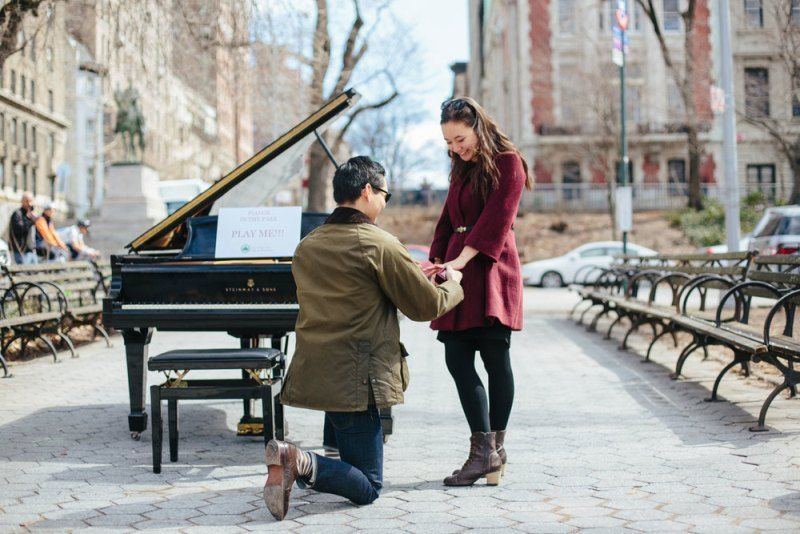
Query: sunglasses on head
[455, 103]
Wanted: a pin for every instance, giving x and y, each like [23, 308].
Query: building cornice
[52, 118]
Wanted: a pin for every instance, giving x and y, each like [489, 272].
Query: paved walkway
[597, 441]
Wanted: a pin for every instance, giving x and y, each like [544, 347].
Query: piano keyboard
[201, 306]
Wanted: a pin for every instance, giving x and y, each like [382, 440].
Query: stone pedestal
[132, 205]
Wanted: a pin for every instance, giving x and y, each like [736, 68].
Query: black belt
[465, 229]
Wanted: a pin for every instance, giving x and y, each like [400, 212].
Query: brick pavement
[597, 441]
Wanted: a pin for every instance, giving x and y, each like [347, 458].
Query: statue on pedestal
[130, 123]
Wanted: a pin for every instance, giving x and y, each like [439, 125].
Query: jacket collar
[343, 215]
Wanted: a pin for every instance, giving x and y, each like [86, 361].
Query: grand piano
[170, 279]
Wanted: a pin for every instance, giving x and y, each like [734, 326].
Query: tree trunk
[794, 163]
[695, 195]
[320, 174]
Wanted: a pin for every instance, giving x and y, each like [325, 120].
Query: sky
[441, 29]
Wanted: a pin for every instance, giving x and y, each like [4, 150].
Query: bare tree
[779, 123]
[13, 16]
[353, 56]
[686, 78]
[384, 135]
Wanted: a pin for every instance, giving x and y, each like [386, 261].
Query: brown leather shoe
[500, 437]
[483, 460]
[281, 459]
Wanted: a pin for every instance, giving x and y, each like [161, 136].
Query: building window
[51, 145]
[761, 177]
[50, 103]
[795, 104]
[675, 108]
[2, 172]
[26, 182]
[570, 94]
[794, 14]
[756, 92]
[33, 138]
[17, 176]
[91, 132]
[32, 48]
[566, 16]
[2, 126]
[22, 86]
[571, 180]
[676, 176]
[13, 82]
[24, 126]
[35, 182]
[672, 15]
[14, 131]
[33, 92]
[48, 54]
[753, 14]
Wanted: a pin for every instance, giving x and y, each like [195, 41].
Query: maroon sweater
[492, 280]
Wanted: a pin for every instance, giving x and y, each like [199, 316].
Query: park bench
[77, 288]
[774, 280]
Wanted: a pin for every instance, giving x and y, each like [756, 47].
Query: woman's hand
[462, 260]
[432, 269]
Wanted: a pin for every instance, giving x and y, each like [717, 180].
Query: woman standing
[475, 235]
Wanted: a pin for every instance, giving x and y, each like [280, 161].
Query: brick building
[543, 69]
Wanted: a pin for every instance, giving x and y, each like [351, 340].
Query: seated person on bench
[351, 278]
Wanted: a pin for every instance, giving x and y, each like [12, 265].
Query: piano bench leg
[172, 419]
[155, 408]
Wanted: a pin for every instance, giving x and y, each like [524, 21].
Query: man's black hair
[351, 177]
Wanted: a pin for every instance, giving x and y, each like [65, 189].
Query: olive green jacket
[351, 279]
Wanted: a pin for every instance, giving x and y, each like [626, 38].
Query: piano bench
[252, 385]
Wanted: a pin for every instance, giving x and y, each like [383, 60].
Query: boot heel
[493, 479]
[272, 454]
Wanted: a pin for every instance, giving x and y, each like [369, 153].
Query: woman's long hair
[482, 172]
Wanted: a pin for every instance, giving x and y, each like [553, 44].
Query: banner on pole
[624, 200]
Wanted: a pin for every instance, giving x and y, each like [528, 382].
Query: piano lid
[170, 232]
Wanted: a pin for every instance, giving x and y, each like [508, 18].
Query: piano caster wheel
[136, 436]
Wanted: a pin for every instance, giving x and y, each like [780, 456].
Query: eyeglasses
[384, 191]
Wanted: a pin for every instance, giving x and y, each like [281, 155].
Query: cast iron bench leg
[155, 409]
[172, 419]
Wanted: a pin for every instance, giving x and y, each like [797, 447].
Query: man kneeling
[351, 279]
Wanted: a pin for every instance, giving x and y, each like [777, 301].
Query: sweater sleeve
[441, 235]
[406, 286]
[488, 233]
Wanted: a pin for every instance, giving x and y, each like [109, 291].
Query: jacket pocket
[404, 374]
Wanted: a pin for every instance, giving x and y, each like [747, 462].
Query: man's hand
[452, 274]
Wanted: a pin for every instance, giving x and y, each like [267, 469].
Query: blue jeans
[25, 258]
[358, 476]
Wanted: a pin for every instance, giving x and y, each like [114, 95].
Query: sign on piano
[262, 232]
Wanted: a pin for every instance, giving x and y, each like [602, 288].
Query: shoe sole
[275, 495]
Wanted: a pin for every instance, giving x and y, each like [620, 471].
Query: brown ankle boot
[483, 460]
[499, 439]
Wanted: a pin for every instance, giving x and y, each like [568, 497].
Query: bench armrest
[780, 303]
[737, 289]
[666, 279]
[695, 284]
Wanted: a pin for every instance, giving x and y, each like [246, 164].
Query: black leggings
[482, 415]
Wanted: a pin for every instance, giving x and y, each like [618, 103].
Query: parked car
[744, 243]
[556, 272]
[420, 254]
[778, 231]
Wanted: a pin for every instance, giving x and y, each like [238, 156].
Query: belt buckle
[461, 229]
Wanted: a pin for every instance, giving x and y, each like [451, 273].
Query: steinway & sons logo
[250, 287]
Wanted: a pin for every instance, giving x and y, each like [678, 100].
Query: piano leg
[136, 341]
[247, 424]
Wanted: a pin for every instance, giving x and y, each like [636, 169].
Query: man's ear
[365, 191]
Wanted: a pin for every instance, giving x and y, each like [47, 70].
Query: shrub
[706, 227]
